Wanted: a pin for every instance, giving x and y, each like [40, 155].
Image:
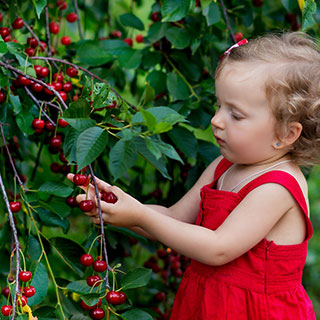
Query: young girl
[245, 223]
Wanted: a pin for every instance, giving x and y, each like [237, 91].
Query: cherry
[84, 306]
[54, 27]
[86, 205]
[99, 265]
[55, 141]
[72, 72]
[238, 36]
[80, 179]
[18, 23]
[57, 77]
[63, 158]
[160, 296]
[155, 16]
[86, 259]
[6, 291]
[43, 46]
[257, 3]
[38, 70]
[36, 87]
[72, 17]
[1, 16]
[32, 42]
[15, 206]
[139, 38]
[67, 86]
[71, 202]
[7, 39]
[30, 52]
[62, 123]
[65, 40]
[128, 41]
[38, 123]
[97, 313]
[63, 95]
[23, 80]
[57, 86]
[61, 4]
[49, 92]
[44, 72]
[29, 291]
[2, 97]
[92, 280]
[116, 34]
[23, 300]
[6, 310]
[25, 276]
[4, 31]
[49, 126]
[115, 297]
[55, 167]
[108, 197]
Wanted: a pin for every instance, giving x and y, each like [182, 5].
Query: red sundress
[262, 284]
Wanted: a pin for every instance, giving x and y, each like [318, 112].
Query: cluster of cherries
[112, 297]
[117, 34]
[25, 293]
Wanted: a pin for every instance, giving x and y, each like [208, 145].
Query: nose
[217, 121]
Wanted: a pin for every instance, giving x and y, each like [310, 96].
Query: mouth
[219, 140]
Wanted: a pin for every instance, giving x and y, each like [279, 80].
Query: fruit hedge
[121, 90]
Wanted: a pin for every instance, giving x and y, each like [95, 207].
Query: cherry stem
[101, 224]
[78, 18]
[227, 21]
[36, 162]
[9, 67]
[87, 71]
[15, 236]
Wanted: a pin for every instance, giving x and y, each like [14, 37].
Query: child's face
[244, 125]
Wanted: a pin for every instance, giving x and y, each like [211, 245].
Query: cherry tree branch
[78, 18]
[48, 31]
[227, 21]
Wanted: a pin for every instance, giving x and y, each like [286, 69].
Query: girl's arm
[246, 226]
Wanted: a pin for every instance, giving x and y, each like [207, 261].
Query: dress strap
[222, 166]
[290, 183]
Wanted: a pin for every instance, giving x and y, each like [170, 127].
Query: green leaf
[39, 6]
[151, 59]
[212, 13]
[90, 144]
[69, 251]
[122, 157]
[168, 150]
[93, 53]
[40, 281]
[157, 80]
[91, 299]
[114, 47]
[56, 188]
[58, 207]
[70, 144]
[135, 314]
[180, 38]
[16, 104]
[24, 121]
[174, 10]
[177, 87]
[34, 248]
[309, 9]
[130, 58]
[157, 31]
[149, 118]
[290, 5]
[78, 109]
[80, 287]
[51, 219]
[81, 124]
[130, 20]
[153, 148]
[136, 278]
[3, 47]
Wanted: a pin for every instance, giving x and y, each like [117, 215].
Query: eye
[236, 117]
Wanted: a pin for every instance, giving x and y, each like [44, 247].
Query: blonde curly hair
[293, 87]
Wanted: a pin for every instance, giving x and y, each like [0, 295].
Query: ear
[291, 135]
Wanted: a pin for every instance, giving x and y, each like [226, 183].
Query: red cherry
[238, 36]
[88, 308]
[6, 291]
[128, 41]
[72, 72]
[2, 97]
[30, 52]
[49, 126]
[123, 297]
[38, 70]
[62, 123]
[23, 300]
[25, 276]
[55, 167]
[97, 313]
[139, 38]
[86, 205]
[92, 280]
[44, 72]
[56, 141]
[18, 23]
[62, 5]
[116, 34]
[108, 197]
[80, 179]
[23, 80]
[49, 92]
[155, 16]
[72, 17]
[36, 87]
[65, 40]
[99, 265]
[32, 42]
[160, 296]
[67, 86]
[57, 85]
[15, 206]
[6, 310]
[7, 39]
[71, 202]
[54, 27]
[29, 291]
[86, 259]
[114, 297]
[63, 95]
[257, 3]
[38, 123]
[63, 158]
[57, 77]
[1, 16]
[43, 46]
[4, 31]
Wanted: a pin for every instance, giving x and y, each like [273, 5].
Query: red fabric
[262, 284]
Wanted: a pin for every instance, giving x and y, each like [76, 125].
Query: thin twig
[87, 71]
[48, 31]
[7, 66]
[37, 162]
[101, 224]
[78, 19]
[227, 21]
